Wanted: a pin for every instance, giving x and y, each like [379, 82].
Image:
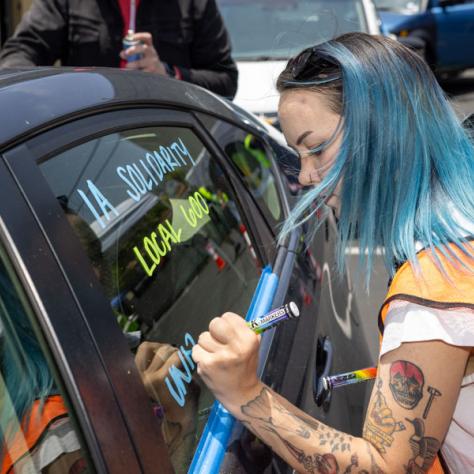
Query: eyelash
[316, 152]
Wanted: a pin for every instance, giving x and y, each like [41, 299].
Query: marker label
[274, 317]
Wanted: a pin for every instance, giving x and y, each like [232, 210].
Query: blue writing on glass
[145, 167]
[181, 149]
[154, 165]
[134, 194]
[164, 166]
[169, 159]
[143, 176]
[101, 200]
[177, 379]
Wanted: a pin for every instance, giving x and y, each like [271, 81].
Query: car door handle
[324, 356]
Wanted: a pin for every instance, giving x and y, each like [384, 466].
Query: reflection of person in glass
[153, 360]
[37, 434]
[380, 145]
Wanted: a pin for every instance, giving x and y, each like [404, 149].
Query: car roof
[37, 98]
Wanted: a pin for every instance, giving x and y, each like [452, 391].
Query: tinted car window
[162, 229]
[37, 431]
[253, 161]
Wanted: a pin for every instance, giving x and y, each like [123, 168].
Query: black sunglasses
[309, 64]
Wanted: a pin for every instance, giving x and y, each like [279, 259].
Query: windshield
[401, 6]
[278, 29]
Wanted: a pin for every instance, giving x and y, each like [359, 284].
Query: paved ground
[461, 92]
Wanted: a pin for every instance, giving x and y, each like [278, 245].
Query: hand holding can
[129, 42]
[149, 61]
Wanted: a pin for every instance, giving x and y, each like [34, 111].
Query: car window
[37, 433]
[402, 6]
[253, 160]
[277, 29]
[163, 231]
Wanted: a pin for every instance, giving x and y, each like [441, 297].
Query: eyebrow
[303, 136]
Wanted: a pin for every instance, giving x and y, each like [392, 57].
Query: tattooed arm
[409, 412]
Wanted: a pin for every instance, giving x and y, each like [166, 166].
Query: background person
[380, 145]
[184, 39]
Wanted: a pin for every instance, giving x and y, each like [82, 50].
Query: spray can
[128, 42]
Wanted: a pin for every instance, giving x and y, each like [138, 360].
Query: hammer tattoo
[433, 393]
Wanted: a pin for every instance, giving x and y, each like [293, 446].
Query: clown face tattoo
[406, 383]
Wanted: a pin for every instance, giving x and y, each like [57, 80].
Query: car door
[162, 238]
[454, 33]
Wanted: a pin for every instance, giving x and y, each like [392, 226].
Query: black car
[133, 210]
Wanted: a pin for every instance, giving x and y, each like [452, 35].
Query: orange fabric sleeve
[32, 429]
[430, 286]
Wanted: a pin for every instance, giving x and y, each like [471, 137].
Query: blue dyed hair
[23, 366]
[405, 161]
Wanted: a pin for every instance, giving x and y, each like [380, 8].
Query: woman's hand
[227, 359]
[153, 360]
[150, 61]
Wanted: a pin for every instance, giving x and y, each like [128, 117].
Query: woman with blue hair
[380, 146]
[36, 432]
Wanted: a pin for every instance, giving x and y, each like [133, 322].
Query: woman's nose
[308, 176]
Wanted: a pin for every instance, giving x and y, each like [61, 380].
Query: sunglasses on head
[310, 64]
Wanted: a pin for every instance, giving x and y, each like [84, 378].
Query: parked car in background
[444, 27]
[133, 210]
[266, 33]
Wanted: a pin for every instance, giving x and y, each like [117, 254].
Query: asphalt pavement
[461, 93]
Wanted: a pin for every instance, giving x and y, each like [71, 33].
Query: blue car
[445, 29]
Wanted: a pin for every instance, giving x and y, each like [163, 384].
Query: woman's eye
[315, 152]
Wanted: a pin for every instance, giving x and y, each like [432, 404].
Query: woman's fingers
[227, 328]
[201, 357]
[162, 355]
[227, 357]
[145, 354]
[209, 343]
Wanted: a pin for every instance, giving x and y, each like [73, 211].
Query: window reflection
[161, 227]
[36, 431]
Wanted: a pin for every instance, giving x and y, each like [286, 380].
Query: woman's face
[307, 121]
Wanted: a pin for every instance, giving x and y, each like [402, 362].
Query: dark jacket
[187, 33]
